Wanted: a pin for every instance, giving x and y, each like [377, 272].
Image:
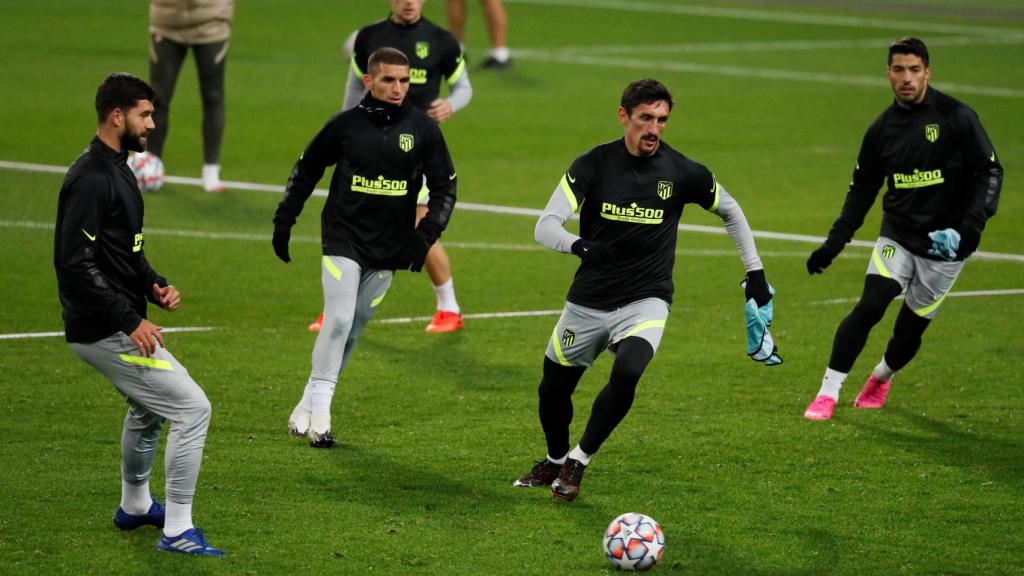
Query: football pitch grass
[433, 429]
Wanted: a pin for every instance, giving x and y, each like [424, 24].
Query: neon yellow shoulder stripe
[147, 362]
[454, 77]
[557, 345]
[568, 194]
[717, 189]
[356, 67]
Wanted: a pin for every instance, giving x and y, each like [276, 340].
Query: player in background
[435, 58]
[630, 193]
[383, 150]
[943, 181]
[498, 57]
[104, 281]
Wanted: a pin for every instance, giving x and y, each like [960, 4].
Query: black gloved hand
[600, 253]
[281, 236]
[969, 240]
[823, 256]
[757, 288]
[418, 248]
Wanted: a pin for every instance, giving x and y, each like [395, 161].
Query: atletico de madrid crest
[568, 337]
[422, 50]
[931, 132]
[405, 142]
[664, 189]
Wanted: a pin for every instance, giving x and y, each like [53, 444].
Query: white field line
[749, 72]
[26, 335]
[480, 316]
[964, 294]
[771, 46]
[901, 24]
[507, 210]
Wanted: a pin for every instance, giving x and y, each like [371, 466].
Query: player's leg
[456, 12]
[373, 287]
[165, 59]
[448, 317]
[211, 61]
[162, 386]
[139, 439]
[499, 57]
[927, 290]
[578, 338]
[889, 271]
[636, 334]
[340, 279]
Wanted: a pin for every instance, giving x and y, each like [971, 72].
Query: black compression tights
[853, 331]
[613, 402]
[906, 338]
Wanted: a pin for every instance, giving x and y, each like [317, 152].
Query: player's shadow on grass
[1001, 459]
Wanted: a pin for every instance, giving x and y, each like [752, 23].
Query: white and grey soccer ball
[633, 541]
[148, 170]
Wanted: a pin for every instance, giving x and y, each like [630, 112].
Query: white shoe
[319, 433]
[211, 178]
[298, 422]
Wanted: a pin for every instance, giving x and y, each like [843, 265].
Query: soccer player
[630, 193]
[499, 57]
[435, 58]
[943, 181]
[383, 150]
[104, 281]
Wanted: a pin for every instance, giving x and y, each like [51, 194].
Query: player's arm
[986, 182]
[728, 209]
[322, 151]
[441, 181]
[550, 229]
[354, 89]
[456, 76]
[867, 179]
[83, 282]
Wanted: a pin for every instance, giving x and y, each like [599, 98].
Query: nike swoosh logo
[570, 178]
[89, 236]
[452, 177]
[993, 156]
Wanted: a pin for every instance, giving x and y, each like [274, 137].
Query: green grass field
[433, 429]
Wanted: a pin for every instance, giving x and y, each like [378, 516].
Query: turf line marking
[748, 72]
[786, 17]
[26, 335]
[480, 316]
[505, 210]
[775, 46]
[964, 294]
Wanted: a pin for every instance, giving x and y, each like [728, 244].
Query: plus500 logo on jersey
[632, 213]
[379, 186]
[918, 179]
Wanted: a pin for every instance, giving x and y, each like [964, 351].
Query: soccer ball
[633, 542]
[148, 170]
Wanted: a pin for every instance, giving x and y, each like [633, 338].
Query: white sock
[558, 461]
[135, 500]
[882, 371]
[307, 398]
[178, 518]
[211, 176]
[577, 454]
[446, 297]
[831, 384]
[501, 54]
[321, 395]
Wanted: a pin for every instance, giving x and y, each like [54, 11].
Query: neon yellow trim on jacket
[568, 194]
[147, 362]
[714, 205]
[454, 77]
[331, 268]
[557, 344]
[644, 326]
[877, 259]
[355, 67]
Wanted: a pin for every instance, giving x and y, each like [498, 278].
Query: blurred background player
[498, 57]
[943, 181]
[630, 194]
[205, 27]
[384, 151]
[434, 58]
[104, 281]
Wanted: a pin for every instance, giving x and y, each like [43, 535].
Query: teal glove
[760, 344]
[945, 243]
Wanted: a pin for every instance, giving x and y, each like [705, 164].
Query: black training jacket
[381, 154]
[102, 273]
[940, 169]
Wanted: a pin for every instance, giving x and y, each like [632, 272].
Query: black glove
[281, 236]
[600, 253]
[969, 240]
[823, 256]
[418, 248]
[757, 288]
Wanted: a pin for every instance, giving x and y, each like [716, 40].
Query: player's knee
[631, 360]
[199, 411]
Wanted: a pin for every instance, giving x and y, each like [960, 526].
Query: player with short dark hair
[630, 194]
[942, 185]
[383, 150]
[104, 281]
